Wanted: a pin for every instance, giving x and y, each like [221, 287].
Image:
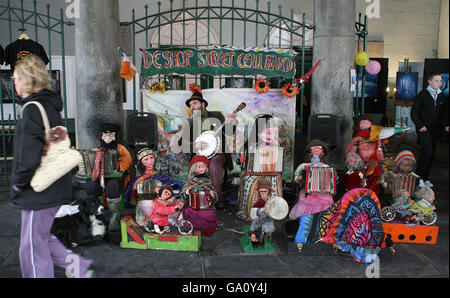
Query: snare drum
[321, 180]
[398, 183]
[111, 164]
[148, 189]
[276, 208]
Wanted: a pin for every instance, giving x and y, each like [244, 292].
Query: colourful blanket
[353, 225]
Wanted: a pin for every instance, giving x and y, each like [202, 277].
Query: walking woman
[39, 250]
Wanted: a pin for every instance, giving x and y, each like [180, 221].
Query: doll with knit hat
[260, 220]
[405, 162]
[203, 218]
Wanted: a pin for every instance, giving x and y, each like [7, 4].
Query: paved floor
[222, 255]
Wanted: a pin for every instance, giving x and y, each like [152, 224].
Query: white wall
[409, 29]
[443, 50]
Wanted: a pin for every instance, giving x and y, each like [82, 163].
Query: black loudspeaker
[324, 127]
[142, 131]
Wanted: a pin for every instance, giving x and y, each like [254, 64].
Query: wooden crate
[173, 242]
[132, 234]
[135, 237]
[409, 233]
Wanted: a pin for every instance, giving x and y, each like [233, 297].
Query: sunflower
[194, 88]
[289, 90]
[262, 86]
[160, 86]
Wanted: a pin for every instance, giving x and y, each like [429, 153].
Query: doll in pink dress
[315, 154]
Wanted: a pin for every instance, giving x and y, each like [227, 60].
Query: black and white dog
[88, 226]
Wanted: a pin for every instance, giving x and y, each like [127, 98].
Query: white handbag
[58, 158]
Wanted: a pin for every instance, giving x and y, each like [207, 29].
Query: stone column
[334, 39]
[98, 64]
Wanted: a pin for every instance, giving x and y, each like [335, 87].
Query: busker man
[205, 120]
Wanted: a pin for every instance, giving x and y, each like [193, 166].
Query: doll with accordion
[317, 181]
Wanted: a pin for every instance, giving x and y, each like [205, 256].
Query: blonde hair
[34, 74]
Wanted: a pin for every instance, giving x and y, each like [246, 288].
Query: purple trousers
[216, 165]
[39, 250]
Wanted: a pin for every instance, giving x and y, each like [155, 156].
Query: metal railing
[35, 21]
[217, 13]
[361, 32]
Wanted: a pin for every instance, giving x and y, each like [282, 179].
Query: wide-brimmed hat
[196, 96]
[111, 127]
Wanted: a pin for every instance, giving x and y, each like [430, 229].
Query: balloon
[373, 67]
[361, 58]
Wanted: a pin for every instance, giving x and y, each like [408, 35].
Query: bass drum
[276, 208]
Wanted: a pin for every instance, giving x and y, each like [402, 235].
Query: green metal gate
[361, 32]
[252, 19]
[30, 21]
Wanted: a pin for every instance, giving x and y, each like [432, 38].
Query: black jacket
[28, 144]
[425, 113]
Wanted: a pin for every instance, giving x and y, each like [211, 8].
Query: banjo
[212, 141]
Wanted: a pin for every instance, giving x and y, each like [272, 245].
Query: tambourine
[276, 208]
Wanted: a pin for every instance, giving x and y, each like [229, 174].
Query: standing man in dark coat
[430, 116]
[222, 159]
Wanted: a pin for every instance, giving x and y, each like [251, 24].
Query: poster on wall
[8, 92]
[407, 84]
[171, 110]
[444, 86]
[370, 88]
